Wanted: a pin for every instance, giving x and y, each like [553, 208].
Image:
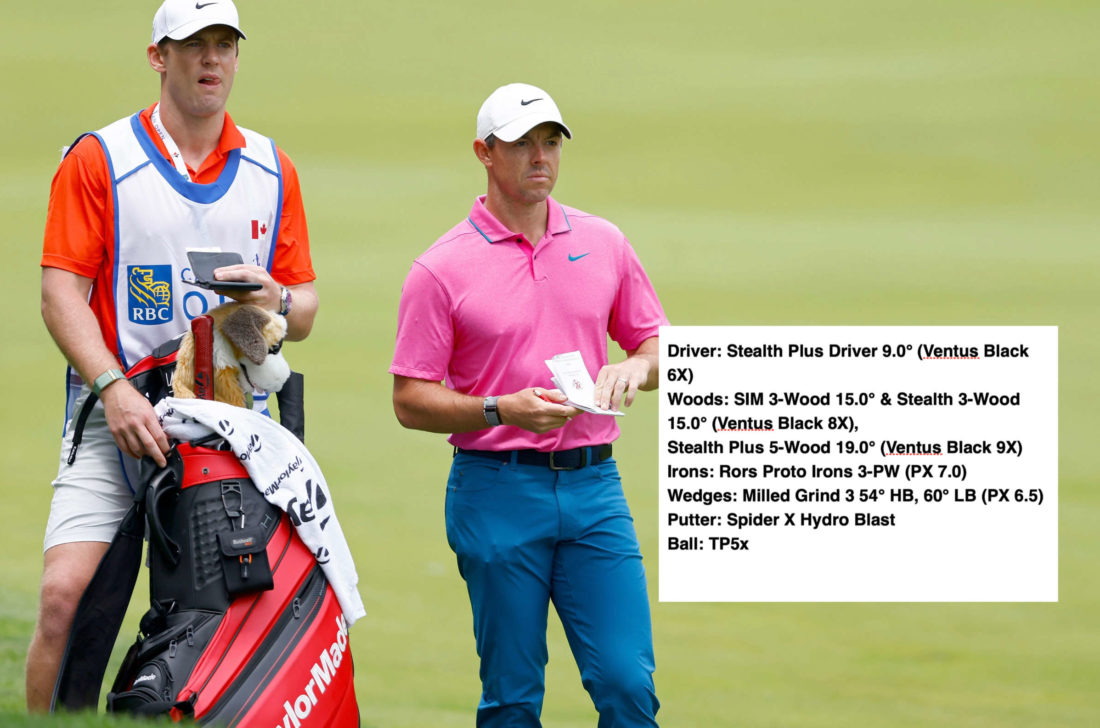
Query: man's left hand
[266, 297]
[620, 382]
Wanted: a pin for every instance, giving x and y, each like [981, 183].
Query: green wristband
[105, 379]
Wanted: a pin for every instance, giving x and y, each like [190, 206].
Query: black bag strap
[99, 616]
[81, 420]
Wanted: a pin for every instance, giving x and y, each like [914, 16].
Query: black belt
[574, 459]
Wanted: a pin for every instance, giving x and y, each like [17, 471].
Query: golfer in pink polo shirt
[535, 509]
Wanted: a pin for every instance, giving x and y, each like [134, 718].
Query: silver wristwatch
[492, 416]
[285, 301]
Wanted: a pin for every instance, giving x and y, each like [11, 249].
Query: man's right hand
[529, 409]
[133, 423]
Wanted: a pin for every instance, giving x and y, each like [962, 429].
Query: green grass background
[850, 162]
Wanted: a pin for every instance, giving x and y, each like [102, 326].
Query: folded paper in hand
[571, 376]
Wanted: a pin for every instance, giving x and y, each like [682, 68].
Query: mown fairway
[850, 162]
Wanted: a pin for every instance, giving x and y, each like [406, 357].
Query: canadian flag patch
[259, 229]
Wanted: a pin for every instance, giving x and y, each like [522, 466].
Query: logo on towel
[303, 512]
[150, 294]
[255, 444]
[287, 472]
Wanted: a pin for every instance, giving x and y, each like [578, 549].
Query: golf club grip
[202, 327]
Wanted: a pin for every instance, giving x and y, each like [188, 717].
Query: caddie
[535, 510]
[126, 203]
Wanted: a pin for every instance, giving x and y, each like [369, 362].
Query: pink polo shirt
[482, 311]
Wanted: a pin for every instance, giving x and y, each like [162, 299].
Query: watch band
[492, 416]
[285, 300]
[106, 379]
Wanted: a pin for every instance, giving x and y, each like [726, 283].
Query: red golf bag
[243, 628]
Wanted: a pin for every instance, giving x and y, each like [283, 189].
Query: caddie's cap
[178, 19]
[513, 110]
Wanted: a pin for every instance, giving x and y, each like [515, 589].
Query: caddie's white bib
[159, 214]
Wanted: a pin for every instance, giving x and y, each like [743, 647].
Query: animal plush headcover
[248, 355]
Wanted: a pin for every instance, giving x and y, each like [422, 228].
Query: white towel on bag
[284, 471]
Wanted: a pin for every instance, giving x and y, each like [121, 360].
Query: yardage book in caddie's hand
[571, 376]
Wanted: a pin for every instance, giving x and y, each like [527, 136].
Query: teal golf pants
[525, 536]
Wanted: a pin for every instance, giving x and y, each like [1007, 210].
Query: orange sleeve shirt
[80, 219]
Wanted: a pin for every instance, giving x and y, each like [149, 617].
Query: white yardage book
[571, 376]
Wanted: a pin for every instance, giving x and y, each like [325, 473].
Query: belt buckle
[584, 461]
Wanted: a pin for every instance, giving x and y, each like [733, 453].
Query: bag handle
[157, 489]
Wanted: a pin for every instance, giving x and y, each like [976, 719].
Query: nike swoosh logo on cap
[200, 6]
[524, 103]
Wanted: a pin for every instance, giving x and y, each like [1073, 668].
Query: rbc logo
[150, 295]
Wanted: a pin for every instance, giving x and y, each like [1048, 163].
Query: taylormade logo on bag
[322, 673]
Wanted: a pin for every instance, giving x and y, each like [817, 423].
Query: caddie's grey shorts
[91, 496]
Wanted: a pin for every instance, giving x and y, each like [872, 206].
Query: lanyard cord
[169, 143]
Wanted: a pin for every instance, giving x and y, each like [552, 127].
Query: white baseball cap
[179, 19]
[513, 110]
